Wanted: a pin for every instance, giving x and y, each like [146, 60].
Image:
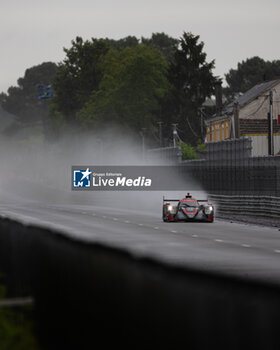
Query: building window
[217, 132]
[227, 130]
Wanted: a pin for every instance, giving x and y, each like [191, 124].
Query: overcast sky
[34, 31]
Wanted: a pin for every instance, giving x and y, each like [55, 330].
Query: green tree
[22, 100]
[134, 80]
[192, 81]
[164, 43]
[249, 73]
[129, 41]
[188, 151]
[78, 75]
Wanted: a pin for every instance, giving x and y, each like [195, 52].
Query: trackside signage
[128, 178]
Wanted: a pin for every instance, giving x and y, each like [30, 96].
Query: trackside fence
[164, 155]
[227, 168]
[233, 150]
[261, 206]
[259, 176]
[238, 182]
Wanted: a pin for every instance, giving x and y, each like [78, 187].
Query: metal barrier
[228, 168]
[232, 150]
[259, 176]
[164, 155]
[261, 206]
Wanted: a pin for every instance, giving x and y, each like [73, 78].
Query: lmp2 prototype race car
[187, 209]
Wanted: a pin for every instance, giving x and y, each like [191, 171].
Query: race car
[187, 209]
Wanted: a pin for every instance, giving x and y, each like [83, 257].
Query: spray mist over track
[41, 172]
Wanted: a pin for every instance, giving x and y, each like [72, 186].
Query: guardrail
[264, 206]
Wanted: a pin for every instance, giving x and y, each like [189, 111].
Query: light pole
[160, 133]
[175, 134]
[270, 125]
[142, 133]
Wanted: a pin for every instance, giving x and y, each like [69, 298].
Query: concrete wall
[92, 297]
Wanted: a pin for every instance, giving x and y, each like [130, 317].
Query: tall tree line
[133, 83]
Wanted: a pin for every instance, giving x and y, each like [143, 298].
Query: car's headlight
[208, 210]
[169, 207]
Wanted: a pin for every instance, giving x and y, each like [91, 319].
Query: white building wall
[260, 145]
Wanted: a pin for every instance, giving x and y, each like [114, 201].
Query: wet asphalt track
[239, 250]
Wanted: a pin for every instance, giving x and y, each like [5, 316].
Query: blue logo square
[81, 178]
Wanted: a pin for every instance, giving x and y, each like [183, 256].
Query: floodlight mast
[175, 134]
[270, 125]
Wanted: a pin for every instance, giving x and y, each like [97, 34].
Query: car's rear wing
[170, 200]
[178, 200]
